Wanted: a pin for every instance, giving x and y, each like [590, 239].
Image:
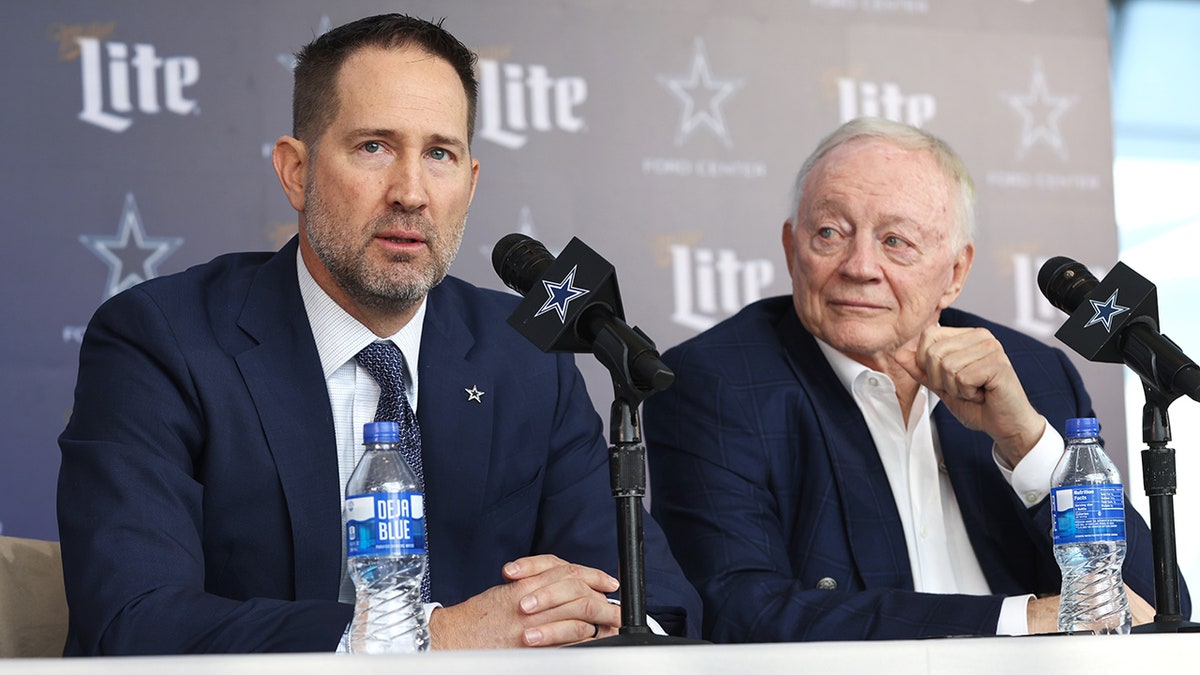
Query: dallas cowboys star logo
[1105, 311]
[560, 295]
[130, 262]
[473, 394]
[1039, 111]
[697, 85]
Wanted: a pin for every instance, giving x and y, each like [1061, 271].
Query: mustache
[405, 220]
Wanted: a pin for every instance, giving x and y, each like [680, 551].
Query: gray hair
[908, 138]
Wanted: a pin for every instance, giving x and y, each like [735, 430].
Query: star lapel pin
[473, 394]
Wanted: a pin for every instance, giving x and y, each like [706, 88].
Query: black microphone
[573, 304]
[1116, 321]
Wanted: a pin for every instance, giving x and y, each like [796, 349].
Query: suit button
[826, 584]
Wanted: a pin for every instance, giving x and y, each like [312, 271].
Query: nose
[406, 184]
[861, 261]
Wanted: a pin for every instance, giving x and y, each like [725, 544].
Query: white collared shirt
[939, 549]
[353, 393]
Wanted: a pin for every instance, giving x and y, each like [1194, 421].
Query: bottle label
[1083, 514]
[383, 524]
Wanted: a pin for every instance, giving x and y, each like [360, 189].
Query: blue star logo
[1105, 311]
[560, 295]
[132, 257]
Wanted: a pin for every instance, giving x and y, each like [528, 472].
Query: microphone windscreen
[1065, 282]
[520, 260]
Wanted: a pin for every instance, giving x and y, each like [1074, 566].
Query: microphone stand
[1158, 474]
[627, 471]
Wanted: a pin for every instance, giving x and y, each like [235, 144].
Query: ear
[474, 178]
[958, 278]
[290, 158]
[788, 236]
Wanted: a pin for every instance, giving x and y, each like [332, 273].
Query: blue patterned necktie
[385, 363]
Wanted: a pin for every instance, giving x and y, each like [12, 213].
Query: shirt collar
[340, 337]
[849, 371]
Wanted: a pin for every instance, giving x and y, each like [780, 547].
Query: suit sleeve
[720, 471]
[131, 505]
[577, 521]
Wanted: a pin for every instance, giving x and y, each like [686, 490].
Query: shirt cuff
[1030, 479]
[1014, 616]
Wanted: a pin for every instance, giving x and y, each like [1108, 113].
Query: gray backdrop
[663, 133]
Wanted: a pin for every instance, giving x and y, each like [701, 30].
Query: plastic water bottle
[1089, 534]
[385, 547]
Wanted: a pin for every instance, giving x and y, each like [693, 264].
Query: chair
[33, 605]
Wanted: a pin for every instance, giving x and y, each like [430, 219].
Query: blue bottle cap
[1078, 427]
[381, 432]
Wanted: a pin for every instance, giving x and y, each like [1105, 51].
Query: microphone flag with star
[576, 281]
[1123, 296]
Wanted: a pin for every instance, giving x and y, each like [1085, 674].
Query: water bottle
[1088, 517]
[385, 547]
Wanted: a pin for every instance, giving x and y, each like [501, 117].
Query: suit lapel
[456, 435]
[869, 513]
[283, 375]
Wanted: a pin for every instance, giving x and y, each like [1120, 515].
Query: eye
[372, 147]
[892, 241]
[439, 154]
[826, 232]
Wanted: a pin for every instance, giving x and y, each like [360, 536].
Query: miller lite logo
[711, 285]
[861, 98]
[515, 99]
[119, 79]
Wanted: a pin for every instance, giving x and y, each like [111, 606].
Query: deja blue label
[385, 524]
[1083, 514]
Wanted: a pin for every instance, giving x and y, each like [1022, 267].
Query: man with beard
[218, 410]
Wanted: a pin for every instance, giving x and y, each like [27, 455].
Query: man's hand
[1042, 613]
[546, 602]
[969, 371]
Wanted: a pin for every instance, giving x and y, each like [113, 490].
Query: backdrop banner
[663, 133]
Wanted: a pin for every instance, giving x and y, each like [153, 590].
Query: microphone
[1116, 321]
[573, 304]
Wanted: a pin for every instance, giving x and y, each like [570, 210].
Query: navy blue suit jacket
[767, 481]
[199, 504]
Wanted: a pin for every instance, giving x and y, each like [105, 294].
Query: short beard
[398, 287]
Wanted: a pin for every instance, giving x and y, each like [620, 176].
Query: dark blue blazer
[767, 481]
[198, 499]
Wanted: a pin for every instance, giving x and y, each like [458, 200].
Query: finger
[590, 607]
[907, 359]
[590, 577]
[523, 568]
[562, 586]
[565, 632]
[960, 364]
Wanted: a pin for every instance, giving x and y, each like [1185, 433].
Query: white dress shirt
[353, 393]
[939, 549]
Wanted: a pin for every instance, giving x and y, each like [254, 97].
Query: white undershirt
[353, 393]
[939, 549]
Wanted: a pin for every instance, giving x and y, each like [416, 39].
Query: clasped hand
[969, 371]
[546, 602]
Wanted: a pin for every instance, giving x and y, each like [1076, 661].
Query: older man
[858, 460]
